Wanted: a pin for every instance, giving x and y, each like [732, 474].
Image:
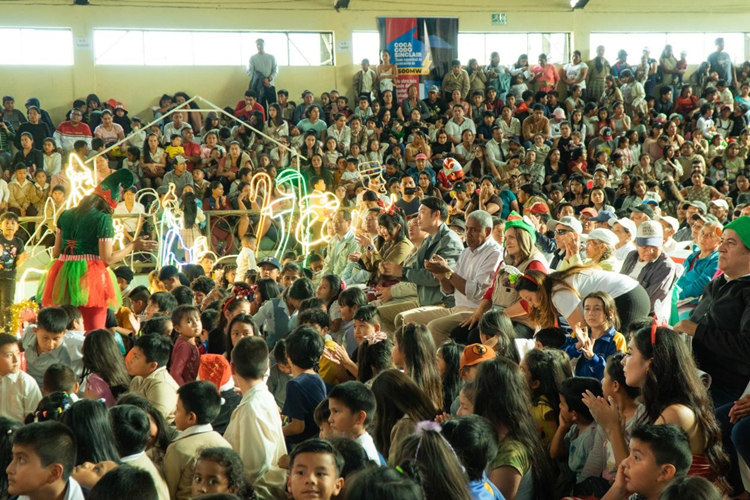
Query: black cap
[125, 273]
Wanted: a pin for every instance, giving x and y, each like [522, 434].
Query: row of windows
[120, 47]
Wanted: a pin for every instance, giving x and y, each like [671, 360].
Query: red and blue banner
[421, 47]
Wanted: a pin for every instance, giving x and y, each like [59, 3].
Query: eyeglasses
[562, 232]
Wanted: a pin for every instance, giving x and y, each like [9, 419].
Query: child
[304, 346]
[576, 435]
[201, 184]
[280, 373]
[592, 348]
[216, 369]
[132, 161]
[351, 175]
[276, 316]
[315, 465]
[219, 470]
[327, 369]
[183, 295]
[322, 415]
[157, 325]
[131, 432]
[256, 423]
[41, 186]
[186, 320]
[473, 440]
[349, 301]
[148, 367]
[60, 378]
[246, 258]
[366, 324]
[658, 455]
[19, 392]
[550, 338]
[12, 256]
[198, 404]
[541, 149]
[175, 147]
[48, 343]
[22, 193]
[44, 454]
[160, 303]
[52, 159]
[169, 277]
[544, 380]
[352, 406]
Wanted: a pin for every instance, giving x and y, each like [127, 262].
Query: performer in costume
[83, 248]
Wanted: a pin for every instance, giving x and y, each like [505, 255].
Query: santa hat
[215, 368]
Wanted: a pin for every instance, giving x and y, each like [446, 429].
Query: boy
[169, 276]
[19, 392]
[130, 429]
[254, 430]
[202, 186]
[175, 146]
[198, 404]
[60, 378]
[124, 277]
[352, 405]
[658, 454]
[576, 436]
[315, 467]
[48, 343]
[550, 338]
[289, 274]
[160, 303]
[304, 346]
[280, 373]
[328, 370]
[278, 315]
[322, 416]
[12, 256]
[246, 257]
[201, 287]
[183, 295]
[148, 367]
[186, 359]
[44, 454]
[180, 177]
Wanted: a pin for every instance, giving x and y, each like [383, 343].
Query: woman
[552, 165]
[80, 275]
[611, 94]
[108, 131]
[659, 363]
[412, 103]
[313, 122]
[210, 123]
[521, 469]
[700, 267]
[487, 198]
[388, 103]
[509, 124]
[222, 238]
[576, 71]
[479, 166]
[686, 103]
[599, 69]
[521, 254]
[391, 245]
[699, 191]
[477, 76]
[600, 250]
[620, 120]
[418, 145]
[598, 198]
[276, 127]
[231, 164]
[578, 196]
[667, 165]
[194, 118]
[670, 74]
[104, 374]
[386, 73]
[633, 93]
[559, 295]
[424, 183]
[29, 155]
[317, 169]
[637, 194]
[153, 162]
[129, 206]
[671, 199]
[440, 148]
[400, 405]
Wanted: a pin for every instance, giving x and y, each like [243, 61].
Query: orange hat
[215, 368]
[474, 354]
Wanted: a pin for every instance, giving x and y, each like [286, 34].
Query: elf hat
[109, 188]
[741, 225]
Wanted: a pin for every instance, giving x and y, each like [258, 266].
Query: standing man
[722, 64]
[364, 80]
[262, 72]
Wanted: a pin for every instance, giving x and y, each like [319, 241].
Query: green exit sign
[499, 18]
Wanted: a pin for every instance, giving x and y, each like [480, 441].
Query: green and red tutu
[79, 280]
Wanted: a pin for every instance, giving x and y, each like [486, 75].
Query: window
[365, 45]
[697, 45]
[479, 46]
[208, 48]
[36, 47]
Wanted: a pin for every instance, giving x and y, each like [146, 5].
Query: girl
[217, 339]
[636, 196]
[328, 291]
[521, 468]
[400, 404]
[241, 326]
[89, 421]
[544, 376]
[387, 73]
[220, 470]
[265, 289]
[441, 472]
[414, 351]
[349, 301]
[317, 168]
[578, 196]
[425, 184]
[104, 374]
[153, 162]
[602, 340]
[373, 358]
[659, 363]
[331, 153]
[52, 159]
[496, 331]
[598, 199]
[448, 358]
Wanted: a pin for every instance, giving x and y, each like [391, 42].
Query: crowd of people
[535, 286]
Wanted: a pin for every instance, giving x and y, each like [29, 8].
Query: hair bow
[376, 337]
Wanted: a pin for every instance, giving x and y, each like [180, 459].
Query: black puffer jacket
[722, 340]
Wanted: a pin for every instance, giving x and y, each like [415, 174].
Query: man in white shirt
[455, 126]
[175, 127]
[341, 245]
[262, 71]
[494, 151]
[470, 281]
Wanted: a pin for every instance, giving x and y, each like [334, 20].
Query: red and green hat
[109, 188]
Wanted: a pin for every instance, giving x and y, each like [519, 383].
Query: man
[355, 272]
[421, 166]
[536, 123]
[341, 245]
[719, 208]
[439, 241]
[567, 244]
[364, 80]
[664, 103]
[494, 153]
[308, 99]
[192, 149]
[12, 115]
[468, 284]
[249, 105]
[175, 126]
[721, 63]
[7, 134]
[692, 208]
[262, 71]
[435, 105]
[720, 324]
[455, 126]
[408, 203]
[287, 108]
[45, 117]
[456, 79]
[70, 131]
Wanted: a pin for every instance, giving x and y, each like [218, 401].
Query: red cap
[591, 212]
[539, 208]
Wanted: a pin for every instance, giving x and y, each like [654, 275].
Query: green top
[512, 453]
[81, 234]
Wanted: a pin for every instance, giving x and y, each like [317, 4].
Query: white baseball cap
[626, 223]
[570, 222]
[673, 223]
[650, 234]
[603, 235]
[719, 203]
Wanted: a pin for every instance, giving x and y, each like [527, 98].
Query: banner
[421, 47]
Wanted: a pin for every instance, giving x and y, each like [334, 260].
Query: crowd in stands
[536, 286]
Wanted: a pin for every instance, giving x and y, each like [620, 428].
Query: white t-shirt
[589, 281]
[573, 71]
[369, 445]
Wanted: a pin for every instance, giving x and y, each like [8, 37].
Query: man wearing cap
[641, 213]
[566, 232]
[468, 283]
[670, 225]
[262, 70]
[456, 79]
[434, 103]
[720, 209]
[693, 208]
[341, 245]
[652, 268]
[720, 324]
[70, 131]
[440, 241]
[421, 166]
